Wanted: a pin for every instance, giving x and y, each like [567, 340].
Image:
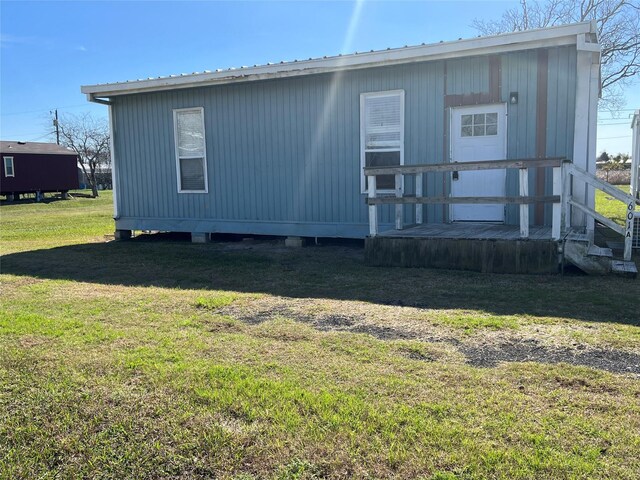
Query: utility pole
[55, 123]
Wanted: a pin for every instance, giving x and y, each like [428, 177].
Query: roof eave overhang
[7, 151]
[531, 39]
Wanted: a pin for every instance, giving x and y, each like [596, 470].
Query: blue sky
[49, 49]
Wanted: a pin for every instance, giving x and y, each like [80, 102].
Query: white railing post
[524, 207]
[628, 234]
[373, 209]
[419, 206]
[565, 221]
[399, 206]
[556, 220]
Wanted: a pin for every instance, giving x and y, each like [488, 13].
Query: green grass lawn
[610, 207]
[28, 225]
[158, 358]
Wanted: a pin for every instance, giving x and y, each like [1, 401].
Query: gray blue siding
[283, 155]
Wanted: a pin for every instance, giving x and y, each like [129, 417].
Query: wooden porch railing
[575, 174]
[420, 199]
[566, 177]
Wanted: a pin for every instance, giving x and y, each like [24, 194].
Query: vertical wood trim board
[541, 128]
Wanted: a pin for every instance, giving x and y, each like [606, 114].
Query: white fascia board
[529, 39]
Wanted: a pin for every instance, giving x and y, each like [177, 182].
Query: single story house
[36, 167]
[102, 176]
[289, 148]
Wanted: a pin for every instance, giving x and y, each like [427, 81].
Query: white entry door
[478, 133]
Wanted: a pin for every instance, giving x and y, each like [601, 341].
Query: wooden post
[373, 209]
[628, 234]
[419, 206]
[399, 206]
[556, 220]
[565, 221]
[524, 208]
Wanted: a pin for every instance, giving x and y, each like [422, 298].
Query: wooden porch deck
[468, 230]
[481, 247]
[487, 247]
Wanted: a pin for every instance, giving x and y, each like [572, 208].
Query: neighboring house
[103, 178]
[34, 167]
[102, 175]
[283, 149]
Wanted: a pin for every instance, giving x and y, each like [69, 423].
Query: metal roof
[550, 36]
[8, 147]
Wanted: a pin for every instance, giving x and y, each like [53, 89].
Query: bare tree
[89, 138]
[618, 24]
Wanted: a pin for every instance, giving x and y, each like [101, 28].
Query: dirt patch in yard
[384, 333]
[485, 351]
[524, 350]
[530, 350]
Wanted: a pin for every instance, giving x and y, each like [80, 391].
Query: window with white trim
[191, 155]
[381, 134]
[8, 167]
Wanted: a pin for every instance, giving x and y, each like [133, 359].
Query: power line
[620, 110]
[25, 134]
[42, 110]
[617, 114]
[611, 138]
[22, 136]
[617, 117]
[40, 138]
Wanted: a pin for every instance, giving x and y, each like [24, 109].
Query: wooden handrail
[589, 179]
[413, 200]
[592, 180]
[464, 166]
[601, 218]
[399, 199]
[563, 173]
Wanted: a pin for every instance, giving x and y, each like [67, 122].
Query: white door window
[478, 133]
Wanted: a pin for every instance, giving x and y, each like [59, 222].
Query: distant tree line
[621, 161]
[615, 169]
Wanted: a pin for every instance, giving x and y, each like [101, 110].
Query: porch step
[613, 245]
[596, 260]
[624, 269]
[597, 251]
[578, 237]
[578, 253]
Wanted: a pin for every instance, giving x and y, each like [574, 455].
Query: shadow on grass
[48, 198]
[334, 271]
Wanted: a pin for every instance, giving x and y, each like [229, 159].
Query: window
[191, 156]
[8, 167]
[381, 134]
[479, 125]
